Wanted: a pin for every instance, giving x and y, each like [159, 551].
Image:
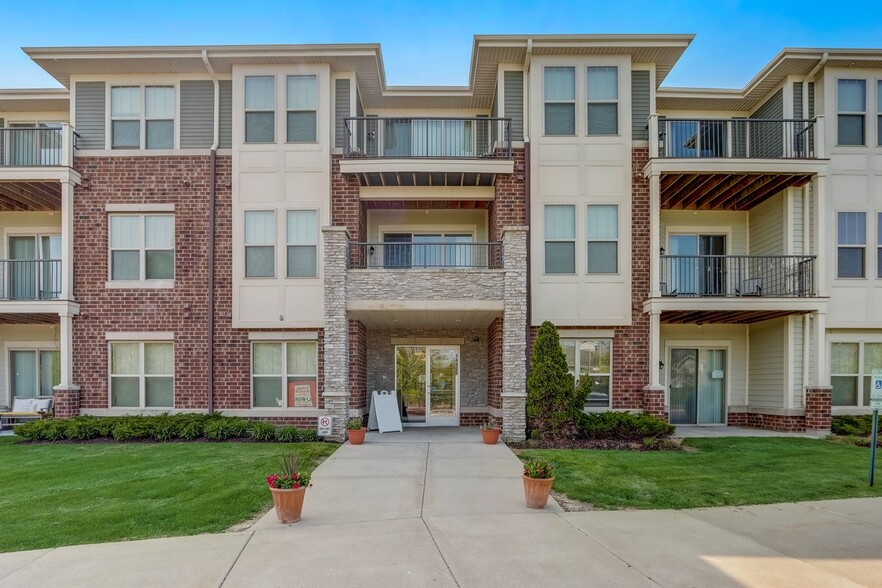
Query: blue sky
[430, 42]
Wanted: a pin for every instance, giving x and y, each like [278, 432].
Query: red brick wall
[473, 419]
[818, 409]
[346, 207]
[654, 403]
[509, 207]
[774, 422]
[357, 364]
[494, 364]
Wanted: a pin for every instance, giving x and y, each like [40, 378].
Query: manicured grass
[722, 471]
[53, 495]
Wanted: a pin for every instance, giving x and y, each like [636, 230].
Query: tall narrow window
[560, 101]
[142, 247]
[260, 109]
[125, 115]
[302, 237]
[852, 239]
[603, 239]
[142, 374]
[260, 244]
[302, 100]
[560, 239]
[159, 116]
[844, 361]
[603, 100]
[852, 99]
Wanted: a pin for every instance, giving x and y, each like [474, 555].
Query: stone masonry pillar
[514, 334]
[336, 359]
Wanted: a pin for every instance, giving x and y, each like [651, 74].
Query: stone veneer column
[818, 408]
[514, 334]
[336, 385]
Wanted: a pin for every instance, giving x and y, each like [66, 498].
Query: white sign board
[384, 412]
[876, 390]
[324, 425]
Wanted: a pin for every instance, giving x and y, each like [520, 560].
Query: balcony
[741, 138]
[34, 163]
[30, 280]
[384, 151]
[425, 255]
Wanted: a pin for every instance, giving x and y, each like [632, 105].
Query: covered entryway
[427, 381]
[698, 386]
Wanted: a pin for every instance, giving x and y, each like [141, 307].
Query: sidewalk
[442, 509]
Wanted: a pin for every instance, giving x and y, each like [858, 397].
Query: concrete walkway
[439, 508]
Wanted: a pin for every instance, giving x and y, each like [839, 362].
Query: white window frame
[578, 345]
[142, 376]
[860, 375]
[546, 240]
[861, 113]
[142, 117]
[273, 243]
[589, 240]
[289, 245]
[37, 348]
[289, 110]
[546, 101]
[247, 110]
[142, 251]
[589, 102]
[862, 246]
[284, 375]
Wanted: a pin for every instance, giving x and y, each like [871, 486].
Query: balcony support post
[654, 137]
[654, 236]
[820, 221]
[67, 192]
[822, 376]
[654, 349]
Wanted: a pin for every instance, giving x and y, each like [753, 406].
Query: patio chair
[750, 287]
[25, 409]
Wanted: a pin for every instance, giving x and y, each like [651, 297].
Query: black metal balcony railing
[737, 275]
[30, 279]
[32, 146]
[737, 138]
[452, 138]
[425, 255]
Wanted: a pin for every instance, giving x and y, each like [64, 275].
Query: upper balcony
[34, 161]
[384, 151]
[732, 164]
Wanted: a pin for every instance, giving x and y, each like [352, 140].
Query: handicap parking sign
[876, 390]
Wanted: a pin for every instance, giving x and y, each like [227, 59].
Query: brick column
[818, 408]
[514, 334]
[654, 401]
[66, 402]
[336, 332]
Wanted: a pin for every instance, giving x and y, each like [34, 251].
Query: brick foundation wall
[818, 408]
[473, 419]
[66, 403]
[736, 419]
[774, 422]
[654, 402]
[357, 364]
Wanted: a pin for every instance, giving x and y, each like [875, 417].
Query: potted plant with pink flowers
[289, 489]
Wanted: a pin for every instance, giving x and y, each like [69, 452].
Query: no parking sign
[324, 426]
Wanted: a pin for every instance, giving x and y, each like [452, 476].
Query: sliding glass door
[697, 386]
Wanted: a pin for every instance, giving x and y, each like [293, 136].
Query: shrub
[354, 424]
[124, 432]
[239, 427]
[261, 431]
[538, 468]
[218, 430]
[32, 431]
[83, 428]
[288, 434]
[553, 402]
[849, 424]
[623, 426]
[164, 428]
[308, 436]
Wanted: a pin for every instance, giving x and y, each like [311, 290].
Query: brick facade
[509, 206]
[347, 209]
[494, 364]
[818, 408]
[357, 365]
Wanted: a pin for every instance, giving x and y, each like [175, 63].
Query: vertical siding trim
[513, 83]
[797, 100]
[89, 114]
[640, 90]
[226, 115]
[341, 109]
[197, 114]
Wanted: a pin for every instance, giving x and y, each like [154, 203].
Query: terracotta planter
[536, 491]
[491, 436]
[288, 503]
[356, 437]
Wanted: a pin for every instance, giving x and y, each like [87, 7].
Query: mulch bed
[614, 444]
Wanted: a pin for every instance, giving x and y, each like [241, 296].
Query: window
[142, 374]
[142, 247]
[302, 101]
[851, 371]
[560, 101]
[592, 357]
[852, 229]
[159, 117]
[33, 372]
[302, 237]
[603, 100]
[260, 109]
[284, 375]
[603, 239]
[125, 115]
[560, 239]
[852, 108]
[260, 244]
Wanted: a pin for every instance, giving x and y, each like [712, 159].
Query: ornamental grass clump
[538, 468]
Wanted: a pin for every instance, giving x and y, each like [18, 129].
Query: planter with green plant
[355, 430]
[538, 478]
[490, 432]
[289, 489]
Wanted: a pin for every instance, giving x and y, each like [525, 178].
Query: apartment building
[274, 232]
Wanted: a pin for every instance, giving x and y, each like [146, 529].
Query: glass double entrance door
[427, 381]
[698, 386]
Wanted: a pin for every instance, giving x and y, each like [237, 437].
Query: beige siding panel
[766, 364]
[766, 226]
[797, 218]
[732, 224]
[796, 347]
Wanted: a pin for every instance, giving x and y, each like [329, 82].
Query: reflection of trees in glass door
[693, 270]
[697, 386]
[427, 381]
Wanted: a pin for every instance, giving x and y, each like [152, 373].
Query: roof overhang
[35, 100]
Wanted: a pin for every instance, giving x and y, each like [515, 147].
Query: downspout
[212, 199]
[821, 63]
[527, 204]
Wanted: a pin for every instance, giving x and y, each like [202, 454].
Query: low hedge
[850, 424]
[623, 426]
[163, 427]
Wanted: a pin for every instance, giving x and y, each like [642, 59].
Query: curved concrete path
[437, 507]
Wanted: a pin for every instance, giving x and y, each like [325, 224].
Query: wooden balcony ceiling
[425, 179]
[725, 191]
[725, 317]
[427, 204]
[25, 318]
[29, 196]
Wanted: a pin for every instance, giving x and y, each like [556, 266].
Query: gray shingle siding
[341, 110]
[226, 114]
[811, 99]
[767, 139]
[514, 102]
[797, 99]
[639, 105]
[89, 112]
[197, 114]
[773, 107]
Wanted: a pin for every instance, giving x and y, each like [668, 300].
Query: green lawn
[54, 495]
[723, 471]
